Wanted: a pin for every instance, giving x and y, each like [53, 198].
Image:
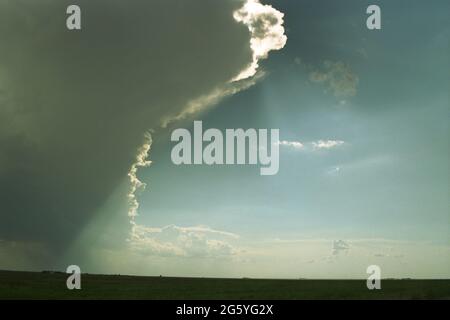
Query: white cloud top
[265, 24]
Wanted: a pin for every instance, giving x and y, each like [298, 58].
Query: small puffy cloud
[326, 144]
[293, 144]
[339, 246]
[312, 145]
[265, 24]
[172, 240]
[338, 77]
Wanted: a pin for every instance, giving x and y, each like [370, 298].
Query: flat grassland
[49, 285]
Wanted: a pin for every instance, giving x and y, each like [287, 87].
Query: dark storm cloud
[74, 104]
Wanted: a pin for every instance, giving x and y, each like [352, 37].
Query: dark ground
[38, 285]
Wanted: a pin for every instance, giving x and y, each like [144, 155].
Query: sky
[86, 175]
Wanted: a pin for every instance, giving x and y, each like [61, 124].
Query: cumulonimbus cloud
[74, 105]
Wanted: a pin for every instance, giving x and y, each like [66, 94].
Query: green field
[35, 285]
